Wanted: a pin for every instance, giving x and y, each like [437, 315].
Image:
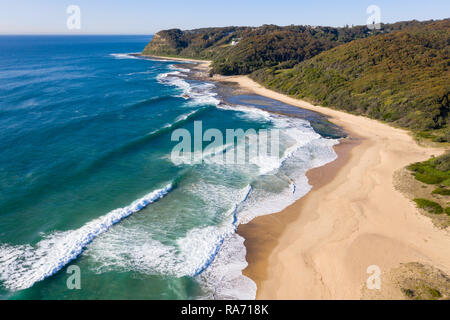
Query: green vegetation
[422, 293]
[402, 77]
[428, 179]
[283, 47]
[428, 205]
[422, 282]
[435, 294]
[441, 191]
[408, 292]
[242, 50]
[434, 171]
[399, 74]
[432, 193]
[442, 163]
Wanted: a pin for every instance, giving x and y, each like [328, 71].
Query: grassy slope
[401, 77]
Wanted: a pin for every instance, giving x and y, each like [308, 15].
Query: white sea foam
[293, 168]
[133, 248]
[177, 121]
[185, 116]
[224, 279]
[174, 67]
[285, 183]
[213, 254]
[216, 254]
[23, 265]
[250, 113]
[199, 93]
[135, 73]
[124, 56]
[302, 150]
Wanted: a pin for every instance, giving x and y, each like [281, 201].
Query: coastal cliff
[166, 42]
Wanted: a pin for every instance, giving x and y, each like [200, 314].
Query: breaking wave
[23, 265]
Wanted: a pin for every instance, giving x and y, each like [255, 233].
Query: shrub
[429, 206]
[408, 292]
[425, 135]
[427, 178]
[435, 294]
[442, 163]
[447, 210]
[433, 171]
[441, 191]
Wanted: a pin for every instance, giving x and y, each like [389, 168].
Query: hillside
[398, 74]
[401, 77]
[242, 50]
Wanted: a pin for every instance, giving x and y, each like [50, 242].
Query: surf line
[73, 244]
[222, 237]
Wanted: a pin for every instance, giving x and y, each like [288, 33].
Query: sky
[148, 17]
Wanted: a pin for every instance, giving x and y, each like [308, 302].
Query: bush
[429, 206]
[408, 292]
[427, 178]
[433, 171]
[425, 135]
[447, 210]
[435, 294]
[443, 162]
[442, 191]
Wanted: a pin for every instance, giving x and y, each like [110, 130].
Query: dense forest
[242, 50]
[397, 74]
[401, 77]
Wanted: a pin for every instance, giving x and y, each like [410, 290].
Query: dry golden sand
[411, 188]
[321, 246]
[199, 64]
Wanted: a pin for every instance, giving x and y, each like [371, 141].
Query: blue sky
[147, 17]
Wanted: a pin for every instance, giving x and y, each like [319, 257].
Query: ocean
[88, 181]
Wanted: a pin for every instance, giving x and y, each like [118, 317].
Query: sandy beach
[201, 65]
[321, 246]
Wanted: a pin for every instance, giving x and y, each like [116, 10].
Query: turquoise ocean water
[87, 178]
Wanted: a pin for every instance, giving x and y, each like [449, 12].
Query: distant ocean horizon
[87, 179]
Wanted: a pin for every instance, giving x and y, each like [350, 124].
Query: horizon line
[77, 34]
[237, 26]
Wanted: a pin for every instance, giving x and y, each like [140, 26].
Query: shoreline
[262, 234]
[201, 65]
[321, 246]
